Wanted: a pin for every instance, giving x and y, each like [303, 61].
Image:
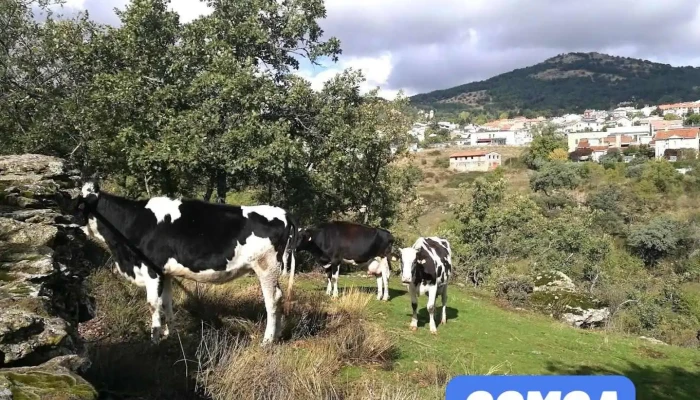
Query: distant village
[590, 135]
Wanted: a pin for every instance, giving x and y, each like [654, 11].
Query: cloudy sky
[422, 45]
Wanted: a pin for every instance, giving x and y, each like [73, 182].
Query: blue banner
[540, 387]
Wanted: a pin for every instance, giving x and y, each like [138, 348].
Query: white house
[418, 131]
[681, 109]
[593, 138]
[598, 152]
[622, 122]
[498, 137]
[675, 139]
[647, 110]
[448, 125]
[475, 160]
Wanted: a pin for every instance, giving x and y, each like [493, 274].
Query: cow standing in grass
[336, 242]
[426, 268]
[193, 239]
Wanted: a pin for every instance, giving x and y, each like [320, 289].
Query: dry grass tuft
[234, 367]
[380, 390]
[231, 368]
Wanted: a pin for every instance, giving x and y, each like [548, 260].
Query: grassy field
[381, 360]
[480, 337]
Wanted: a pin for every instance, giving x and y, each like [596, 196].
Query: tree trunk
[210, 188]
[221, 188]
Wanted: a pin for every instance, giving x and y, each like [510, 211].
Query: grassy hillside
[371, 354]
[358, 348]
[573, 82]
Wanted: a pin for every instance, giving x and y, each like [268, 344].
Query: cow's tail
[289, 261]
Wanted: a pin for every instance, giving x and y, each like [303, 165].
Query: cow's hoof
[443, 322]
[433, 332]
[385, 299]
[413, 328]
[156, 336]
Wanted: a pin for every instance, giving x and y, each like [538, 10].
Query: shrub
[423, 162]
[514, 289]
[434, 152]
[441, 162]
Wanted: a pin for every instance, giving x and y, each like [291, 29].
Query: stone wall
[43, 262]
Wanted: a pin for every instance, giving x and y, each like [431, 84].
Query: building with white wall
[676, 139]
[475, 160]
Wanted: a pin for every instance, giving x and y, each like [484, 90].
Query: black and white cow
[426, 268]
[193, 239]
[339, 241]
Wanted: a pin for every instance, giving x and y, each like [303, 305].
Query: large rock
[555, 293]
[43, 263]
[53, 380]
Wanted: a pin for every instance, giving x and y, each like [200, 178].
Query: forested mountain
[572, 82]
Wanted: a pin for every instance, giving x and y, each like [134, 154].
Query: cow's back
[352, 241]
[205, 235]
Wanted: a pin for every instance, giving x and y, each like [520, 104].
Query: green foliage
[555, 175]
[611, 158]
[671, 117]
[692, 119]
[609, 80]
[545, 140]
[160, 107]
[661, 176]
[441, 162]
[654, 240]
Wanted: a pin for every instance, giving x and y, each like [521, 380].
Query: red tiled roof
[472, 153]
[599, 148]
[679, 105]
[583, 143]
[666, 124]
[685, 133]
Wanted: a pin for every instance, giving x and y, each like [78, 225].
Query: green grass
[483, 338]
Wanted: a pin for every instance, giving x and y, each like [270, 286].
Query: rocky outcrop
[43, 262]
[556, 293]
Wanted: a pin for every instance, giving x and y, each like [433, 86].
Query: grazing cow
[426, 267]
[338, 241]
[155, 240]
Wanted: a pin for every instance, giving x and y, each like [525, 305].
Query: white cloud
[189, 9]
[376, 71]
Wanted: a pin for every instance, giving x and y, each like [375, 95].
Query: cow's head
[408, 263]
[87, 202]
[303, 239]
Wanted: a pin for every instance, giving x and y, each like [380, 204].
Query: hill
[571, 83]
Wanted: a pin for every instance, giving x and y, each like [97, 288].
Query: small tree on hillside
[545, 140]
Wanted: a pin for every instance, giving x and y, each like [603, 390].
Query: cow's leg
[413, 291]
[167, 299]
[380, 288]
[329, 275]
[336, 273]
[386, 271]
[432, 295]
[154, 296]
[268, 273]
[444, 305]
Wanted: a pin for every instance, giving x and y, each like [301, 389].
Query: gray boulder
[43, 263]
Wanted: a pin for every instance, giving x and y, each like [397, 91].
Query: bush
[434, 152]
[423, 162]
[514, 289]
[441, 163]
